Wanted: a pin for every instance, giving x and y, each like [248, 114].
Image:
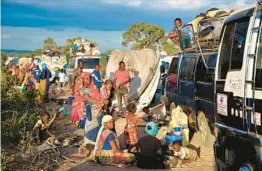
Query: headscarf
[151, 128]
[94, 91]
[43, 65]
[105, 119]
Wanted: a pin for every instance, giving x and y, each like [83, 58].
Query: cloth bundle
[84, 47]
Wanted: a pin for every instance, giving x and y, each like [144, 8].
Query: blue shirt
[63, 111]
[37, 73]
[107, 145]
[97, 78]
[56, 74]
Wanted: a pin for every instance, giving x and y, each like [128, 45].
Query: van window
[89, 63]
[239, 45]
[174, 66]
[187, 68]
[204, 74]
[259, 65]
[233, 46]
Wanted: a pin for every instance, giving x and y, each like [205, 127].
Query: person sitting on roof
[173, 35]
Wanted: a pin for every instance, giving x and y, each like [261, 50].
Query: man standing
[173, 35]
[97, 77]
[121, 80]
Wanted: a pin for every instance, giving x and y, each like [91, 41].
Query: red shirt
[121, 77]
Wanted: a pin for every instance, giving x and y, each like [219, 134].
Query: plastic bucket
[177, 131]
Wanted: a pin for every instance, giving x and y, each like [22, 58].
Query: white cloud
[27, 38]
[156, 5]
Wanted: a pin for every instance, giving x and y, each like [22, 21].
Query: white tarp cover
[141, 64]
[149, 93]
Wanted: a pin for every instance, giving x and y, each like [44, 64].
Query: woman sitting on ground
[149, 149]
[107, 150]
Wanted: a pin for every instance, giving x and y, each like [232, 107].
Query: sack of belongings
[179, 119]
[208, 25]
[84, 47]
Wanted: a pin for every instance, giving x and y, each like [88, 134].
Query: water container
[177, 131]
[171, 138]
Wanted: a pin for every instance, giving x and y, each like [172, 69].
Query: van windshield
[90, 62]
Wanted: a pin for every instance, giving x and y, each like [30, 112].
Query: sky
[26, 23]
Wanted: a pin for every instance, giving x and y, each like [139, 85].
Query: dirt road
[204, 163]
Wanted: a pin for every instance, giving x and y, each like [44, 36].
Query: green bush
[18, 113]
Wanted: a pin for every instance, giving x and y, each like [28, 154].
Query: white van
[89, 63]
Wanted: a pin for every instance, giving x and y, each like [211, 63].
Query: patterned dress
[131, 137]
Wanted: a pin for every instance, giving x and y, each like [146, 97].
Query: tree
[142, 35]
[108, 52]
[66, 48]
[37, 52]
[169, 48]
[3, 59]
[49, 44]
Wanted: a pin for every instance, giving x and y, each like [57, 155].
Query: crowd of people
[92, 111]
[30, 77]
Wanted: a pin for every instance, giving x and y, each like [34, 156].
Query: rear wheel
[204, 130]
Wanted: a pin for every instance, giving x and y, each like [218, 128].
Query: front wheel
[204, 130]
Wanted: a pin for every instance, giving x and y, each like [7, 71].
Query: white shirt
[61, 77]
[182, 154]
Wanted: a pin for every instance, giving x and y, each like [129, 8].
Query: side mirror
[187, 37]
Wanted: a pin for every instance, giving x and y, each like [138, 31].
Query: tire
[204, 130]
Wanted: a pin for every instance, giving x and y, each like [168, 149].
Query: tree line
[138, 36]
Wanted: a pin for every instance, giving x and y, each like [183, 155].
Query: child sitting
[149, 115]
[62, 112]
[41, 128]
[183, 154]
[130, 133]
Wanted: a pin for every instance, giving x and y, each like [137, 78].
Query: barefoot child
[131, 137]
[42, 127]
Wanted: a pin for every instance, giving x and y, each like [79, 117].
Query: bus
[238, 92]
